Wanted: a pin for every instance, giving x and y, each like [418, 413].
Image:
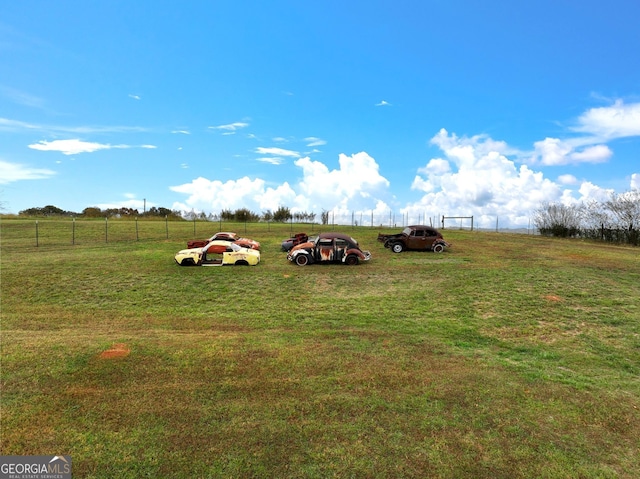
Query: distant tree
[92, 212]
[616, 220]
[162, 212]
[267, 215]
[555, 219]
[153, 211]
[51, 210]
[625, 207]
[48, 210]
[244, 215]
[128, 212]
[165, 212]
[304, 217]
[324, 217]
[112, 212]
[226, 215]
[311, 217]
[282, 214]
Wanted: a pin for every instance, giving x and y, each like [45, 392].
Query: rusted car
[225, 236]
[218, 253]
[328, 248]
[415, 237]
[295, 240]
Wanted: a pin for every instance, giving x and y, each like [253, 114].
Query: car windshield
[407, 231]
[235, 247]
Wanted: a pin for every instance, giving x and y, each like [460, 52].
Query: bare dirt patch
[119, 350]
[553, 298]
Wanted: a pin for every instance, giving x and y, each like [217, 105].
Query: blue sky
[414, 109]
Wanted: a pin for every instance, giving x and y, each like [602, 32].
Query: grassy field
[508, 356]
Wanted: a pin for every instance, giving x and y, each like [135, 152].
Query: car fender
[357, 252]
[292, 255]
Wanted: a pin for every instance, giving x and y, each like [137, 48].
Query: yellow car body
[210, 255]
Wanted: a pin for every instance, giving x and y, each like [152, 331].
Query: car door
[341, 247]
[430, 237]
[324, 249]
[417, 239]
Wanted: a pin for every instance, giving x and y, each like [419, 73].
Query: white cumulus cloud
[616, 121]
[230, 128]
[69, 147]
[355, 186]
[555, 152]
[598, 126]
[567, 179]
[477, 179]
[10, 172]
[75, 146]
[277, 152]
[313, 141]
[351, 186]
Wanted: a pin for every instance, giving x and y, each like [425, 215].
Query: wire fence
[76, 231]
[26, 232]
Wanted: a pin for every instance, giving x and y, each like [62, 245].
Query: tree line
[242, 215]
[95, 212]
[615, 220]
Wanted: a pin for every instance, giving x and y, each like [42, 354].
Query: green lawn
[508, 356]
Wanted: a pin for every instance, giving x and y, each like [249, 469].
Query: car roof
[336, 235]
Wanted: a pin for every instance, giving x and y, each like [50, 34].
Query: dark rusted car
[415, 237]
[295, 240]
[328, 248]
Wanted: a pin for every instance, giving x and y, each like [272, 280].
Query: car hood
[306, 245]
[190, 250]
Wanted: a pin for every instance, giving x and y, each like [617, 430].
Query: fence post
[37, 237]
[166, 225]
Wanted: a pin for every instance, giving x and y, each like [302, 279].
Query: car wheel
[302, 260]
[187, 262]
[242, 263]
[438, 248]
[397, 247]
[351, 260]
